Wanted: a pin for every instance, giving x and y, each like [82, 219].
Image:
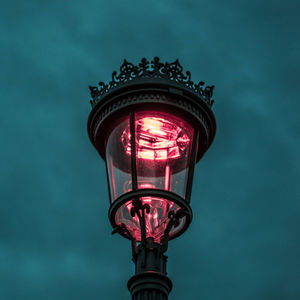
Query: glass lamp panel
[118, 161]
[163, 144]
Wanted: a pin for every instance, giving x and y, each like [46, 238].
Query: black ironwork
[192, 166]
[150, 280]
[152, 70]
[139, 209]
[133, 152]
[155, 97]
[188, 215]
[174, 222]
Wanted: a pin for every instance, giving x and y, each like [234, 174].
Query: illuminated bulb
[157, 139]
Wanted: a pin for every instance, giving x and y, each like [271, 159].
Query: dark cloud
[55, 235]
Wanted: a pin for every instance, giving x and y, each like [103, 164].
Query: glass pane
[118, 161]
[163, 144]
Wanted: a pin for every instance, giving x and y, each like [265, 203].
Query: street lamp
[151, 124]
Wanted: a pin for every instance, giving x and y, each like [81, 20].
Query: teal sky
[55, 237]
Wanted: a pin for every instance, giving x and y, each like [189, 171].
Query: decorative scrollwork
[154, 69]
[174, 218]
[139, 209]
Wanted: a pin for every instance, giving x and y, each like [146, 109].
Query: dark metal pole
[150, 281]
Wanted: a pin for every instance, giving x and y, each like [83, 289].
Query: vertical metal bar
[113, 182]
[133, 152]
[109, 183]
[192, 163]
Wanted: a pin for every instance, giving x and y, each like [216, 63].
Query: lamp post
[151, 124]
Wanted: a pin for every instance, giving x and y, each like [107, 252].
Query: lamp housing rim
[124, 198]
[154, 94]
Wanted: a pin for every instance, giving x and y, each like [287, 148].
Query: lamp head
[151, 124]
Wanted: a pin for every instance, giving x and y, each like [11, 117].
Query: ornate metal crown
[154, 69]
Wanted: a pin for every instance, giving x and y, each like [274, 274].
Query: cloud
[55, 235]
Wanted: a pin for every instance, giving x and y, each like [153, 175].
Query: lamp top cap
[152, 71]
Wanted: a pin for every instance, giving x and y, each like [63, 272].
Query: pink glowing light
[162, 144]
[157, 139]
[156, 220]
